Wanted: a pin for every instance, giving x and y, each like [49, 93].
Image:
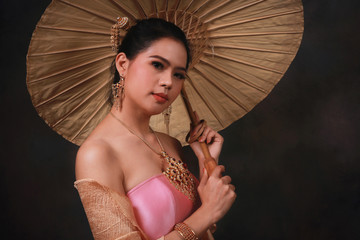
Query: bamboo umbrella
[240, 48]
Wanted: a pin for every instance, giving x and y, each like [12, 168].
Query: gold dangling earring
[118, 92]
[167, 113]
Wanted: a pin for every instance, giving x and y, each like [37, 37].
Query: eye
[179, 76]
[157, 65]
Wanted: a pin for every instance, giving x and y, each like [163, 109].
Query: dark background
[294, 159]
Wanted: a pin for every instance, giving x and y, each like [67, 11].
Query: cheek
[139, 76]
[177, 86]
[180, 83]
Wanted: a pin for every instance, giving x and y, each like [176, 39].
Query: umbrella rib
[80, 104]
[189, 25]
[223, 90]
[74, 30]
[127, 13]
[234, 76]
[241, 61]
[183, 21]
[234, 10]
[181, 16]
[254, 19]
[201, 6]
[188, 6]
[69, 88]
[69, 69]
[155, 8]
[175, 18]
[141, 10]
[225, 35]
[195, 30]
[251, 49]
[89, 119]
[214, 8]
[87, 10]
[206, 103]
[167, 10]
[177, 5]
[69, 51]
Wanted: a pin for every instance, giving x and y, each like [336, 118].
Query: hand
[216, 193]
[212, 138]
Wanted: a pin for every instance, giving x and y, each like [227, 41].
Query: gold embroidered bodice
[180, 176]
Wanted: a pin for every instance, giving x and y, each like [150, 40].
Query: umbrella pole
[210, 162]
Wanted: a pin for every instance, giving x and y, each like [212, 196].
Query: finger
[205, 134]
[217, 171]
[210, 137]
[218, 137]
[204, 178]
[226, 179]
[232, 187]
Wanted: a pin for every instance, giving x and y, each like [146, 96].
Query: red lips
[161, 97]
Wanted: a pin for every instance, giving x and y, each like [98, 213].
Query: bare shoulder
[91, 155]
[97, 160]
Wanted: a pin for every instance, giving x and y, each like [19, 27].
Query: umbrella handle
[210, 162]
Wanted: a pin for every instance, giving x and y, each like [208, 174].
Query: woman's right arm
[99, 183]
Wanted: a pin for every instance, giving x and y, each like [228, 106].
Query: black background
[294, 159]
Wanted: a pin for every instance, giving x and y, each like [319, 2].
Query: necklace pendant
[163, 154]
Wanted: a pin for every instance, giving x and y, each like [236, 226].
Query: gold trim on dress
[180, 176]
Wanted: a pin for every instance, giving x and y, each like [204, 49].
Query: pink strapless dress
[158, 205]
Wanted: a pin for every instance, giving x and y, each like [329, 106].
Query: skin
[111, 155]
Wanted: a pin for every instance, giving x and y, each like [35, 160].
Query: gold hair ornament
[122, 23]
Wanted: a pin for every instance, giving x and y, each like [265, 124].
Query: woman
[129, 178]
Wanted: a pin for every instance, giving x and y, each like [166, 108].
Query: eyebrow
[167, 62]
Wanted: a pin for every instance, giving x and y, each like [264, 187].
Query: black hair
[143, 34]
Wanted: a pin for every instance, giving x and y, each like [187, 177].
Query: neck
[134, 119]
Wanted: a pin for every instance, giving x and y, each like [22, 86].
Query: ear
[122, 63]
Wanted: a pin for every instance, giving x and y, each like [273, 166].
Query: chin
[156, 112]
[153, 111]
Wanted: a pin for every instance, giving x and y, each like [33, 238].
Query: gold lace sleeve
[109, 213]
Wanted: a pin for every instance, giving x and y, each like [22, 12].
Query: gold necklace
[176, 172]
[143, 139]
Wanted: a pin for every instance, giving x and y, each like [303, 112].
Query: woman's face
[154, 78]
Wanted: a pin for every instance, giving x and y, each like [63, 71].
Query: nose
[166, 81]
